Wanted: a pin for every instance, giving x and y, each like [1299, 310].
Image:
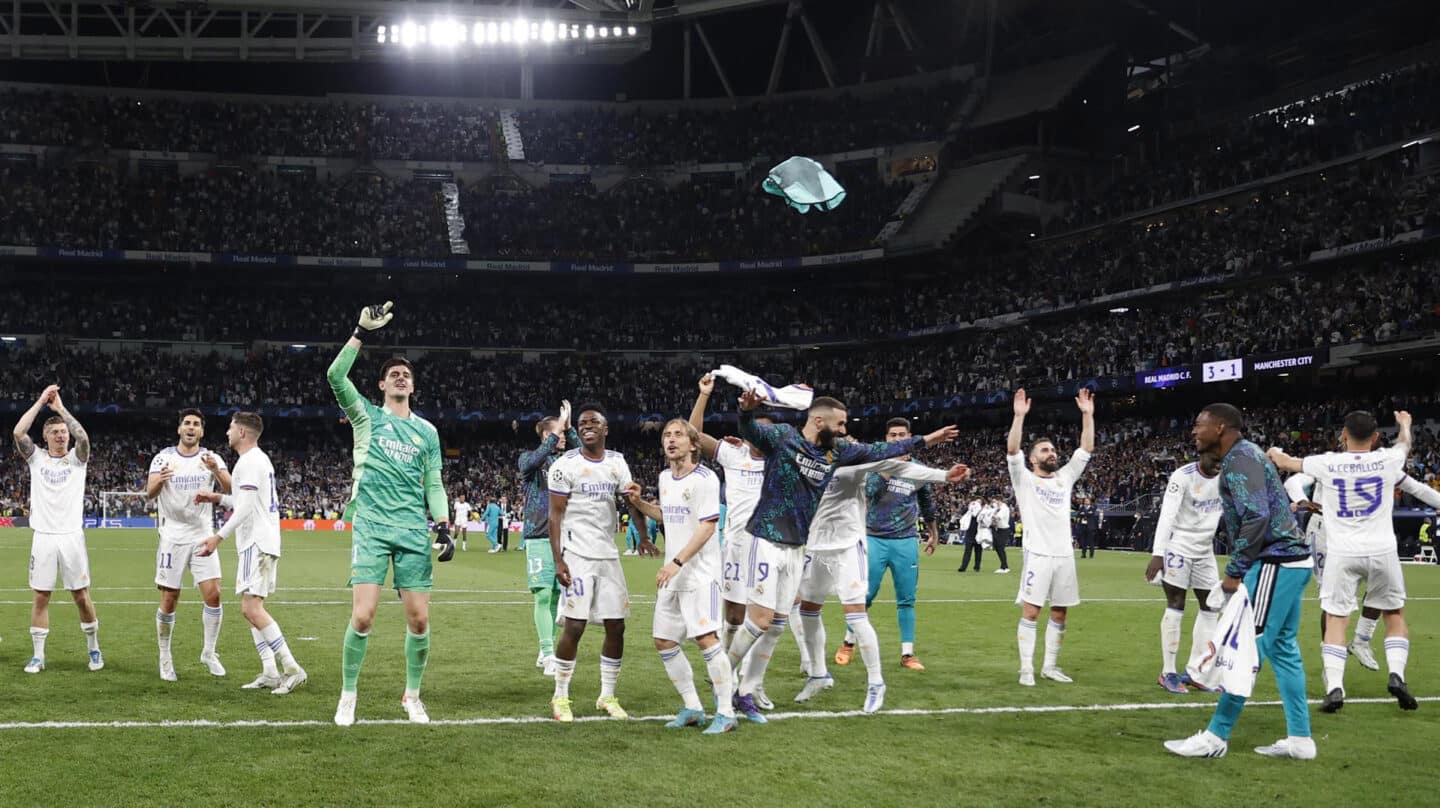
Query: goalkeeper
[397, 477]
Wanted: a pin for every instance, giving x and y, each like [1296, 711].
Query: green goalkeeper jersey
[397, 460]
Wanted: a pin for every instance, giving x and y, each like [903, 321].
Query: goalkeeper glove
[442, 537]
[376, 317]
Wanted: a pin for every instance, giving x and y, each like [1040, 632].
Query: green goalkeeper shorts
[539, 565]
[375, 547]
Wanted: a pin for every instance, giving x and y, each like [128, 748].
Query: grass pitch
[960, 732]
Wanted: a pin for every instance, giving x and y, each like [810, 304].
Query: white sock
[1054, 636]
[564, 672]
[1170, 639]
[682, 676]
[907, 649]
[609, 675]
[1364, 630]
[37, 639]
[411, 695]
[717, 664]
[742, 642]
[813, 629]
[271, 635]
[1334, 657]
[752, 673]
[727, 635]
[1201, 632]
[798, 628]
[92, 635]
[267, 654]
[1397, 653]
[864, 632]
[1026, 637]
[849, 636]
[164, 627]
[211, 618]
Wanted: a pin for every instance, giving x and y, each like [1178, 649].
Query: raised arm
[1284, 462]
[1016, 437]
[708, 445]
[1085, 401]
[338, 375]
[765, 437]
[82, 438]
[534, 460]
[21, 433]
[222, 474]
[1405, 436]
[1420, 491]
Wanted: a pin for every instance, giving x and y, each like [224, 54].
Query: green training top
[397, 460]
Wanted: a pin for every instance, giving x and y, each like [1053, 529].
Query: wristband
[677, 562]
[358, 333]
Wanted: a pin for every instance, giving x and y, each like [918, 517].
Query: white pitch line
[532, 719]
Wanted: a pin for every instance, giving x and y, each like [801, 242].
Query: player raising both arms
[555, 435]
[1358, 504]
[798, 466]
[177, 474]
[1183, 557]
[687, 605]
[397, 477]
[584, 486]
[255, 523]
[1043, 493]
[57, 515]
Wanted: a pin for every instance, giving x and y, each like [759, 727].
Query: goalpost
[121, 502]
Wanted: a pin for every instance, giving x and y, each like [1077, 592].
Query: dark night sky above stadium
[1030, 31]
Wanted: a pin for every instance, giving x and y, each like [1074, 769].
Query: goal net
[121, 504]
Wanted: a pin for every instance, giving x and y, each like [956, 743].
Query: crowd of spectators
[469, 131]
[774, 128]
[1225, 153]
[1380, 301]
[95, 207]
[248, 128]
[700, 220]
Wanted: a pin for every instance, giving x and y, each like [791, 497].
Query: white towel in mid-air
[791, 396]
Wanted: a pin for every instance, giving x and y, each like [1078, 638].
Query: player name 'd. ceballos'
[1355, 468]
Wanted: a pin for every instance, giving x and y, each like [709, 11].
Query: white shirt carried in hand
[792, 396]
[1233, 658]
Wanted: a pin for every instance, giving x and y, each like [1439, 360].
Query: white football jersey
[1002, 517]
[687, 502]
[57, 492]
[743, 477]
[839, 520]
[256, 504]
[1189, 514]
[1044, 503]
[592, 515]
[181, 520]
[462, 512]
[985, 519]
[1358, 498]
